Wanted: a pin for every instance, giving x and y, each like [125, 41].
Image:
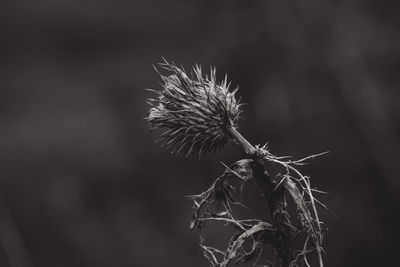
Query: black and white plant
[200, 115]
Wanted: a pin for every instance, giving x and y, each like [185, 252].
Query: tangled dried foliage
[201, 115]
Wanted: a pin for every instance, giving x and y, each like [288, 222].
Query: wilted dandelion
[198, 113]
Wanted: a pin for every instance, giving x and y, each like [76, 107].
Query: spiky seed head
[196, 111]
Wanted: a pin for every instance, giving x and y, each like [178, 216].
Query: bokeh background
[83, 184]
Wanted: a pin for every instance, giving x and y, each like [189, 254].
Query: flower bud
[197, 113]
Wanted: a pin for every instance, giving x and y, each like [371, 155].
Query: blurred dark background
[83, 184]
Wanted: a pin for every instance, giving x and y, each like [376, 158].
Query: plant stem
[275, 202]
[248, 148]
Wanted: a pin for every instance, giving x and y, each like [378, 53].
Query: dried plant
[200, 115]
[197, 112]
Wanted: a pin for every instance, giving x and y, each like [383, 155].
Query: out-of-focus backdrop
[83, 184]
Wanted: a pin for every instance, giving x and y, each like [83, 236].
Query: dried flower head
[197, 112]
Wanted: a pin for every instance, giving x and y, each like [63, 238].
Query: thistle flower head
[196, 111]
